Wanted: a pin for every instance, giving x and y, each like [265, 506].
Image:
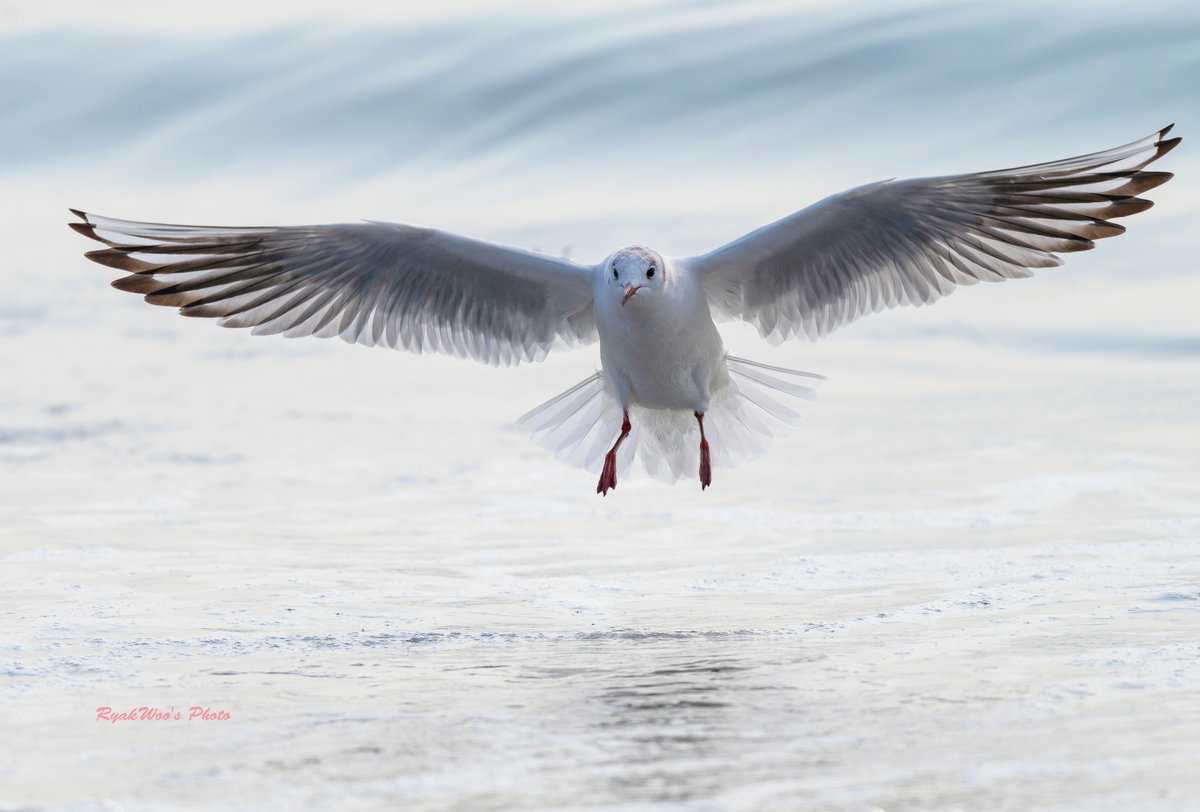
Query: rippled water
[969, 582]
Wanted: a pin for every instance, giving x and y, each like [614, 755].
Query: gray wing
[370, 283]
[913, 241]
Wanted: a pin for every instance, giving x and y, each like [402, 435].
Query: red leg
[705, 460]
[608, 477]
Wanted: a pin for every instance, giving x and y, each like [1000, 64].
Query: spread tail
[749, 405]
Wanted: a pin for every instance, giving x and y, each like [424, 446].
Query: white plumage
[663, 362]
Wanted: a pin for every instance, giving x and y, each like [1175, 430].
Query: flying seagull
[667, 392]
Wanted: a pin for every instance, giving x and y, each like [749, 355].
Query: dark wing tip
[1125, 206]
[1142, 182]
[136, 283]
[86, 229]
[198, 310]
[119, 258]
[1166, 146]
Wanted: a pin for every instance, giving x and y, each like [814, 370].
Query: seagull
[667, 393]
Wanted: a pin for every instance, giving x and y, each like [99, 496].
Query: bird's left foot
[705, 459]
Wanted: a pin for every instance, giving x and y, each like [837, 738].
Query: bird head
[634, 273]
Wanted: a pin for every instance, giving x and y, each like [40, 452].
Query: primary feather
[370, 283]
[914, 241]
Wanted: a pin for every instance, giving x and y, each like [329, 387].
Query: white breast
[664, 351]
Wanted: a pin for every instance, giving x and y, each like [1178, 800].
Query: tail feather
[580, 424]
[745, 412]
[797, 383]
[545, 416]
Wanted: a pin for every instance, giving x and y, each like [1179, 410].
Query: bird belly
[663, 374]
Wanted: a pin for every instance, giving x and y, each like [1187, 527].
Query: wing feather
[914, 241]
[369, 283]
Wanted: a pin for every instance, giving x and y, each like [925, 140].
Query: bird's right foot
[608, 477]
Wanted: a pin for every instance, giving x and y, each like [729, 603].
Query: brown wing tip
[137, 283]
[199, 310]
[86, 229]
[1133, 205]
[119, 259]
[1166, 146]
[1154, 178]
[1139, 182]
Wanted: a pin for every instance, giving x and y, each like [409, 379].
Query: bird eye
[615, 274]
[650, 272]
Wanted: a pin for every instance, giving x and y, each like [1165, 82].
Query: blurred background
[965, 583]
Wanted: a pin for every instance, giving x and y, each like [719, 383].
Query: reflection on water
[664, 729]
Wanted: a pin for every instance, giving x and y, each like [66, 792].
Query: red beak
[630, 289]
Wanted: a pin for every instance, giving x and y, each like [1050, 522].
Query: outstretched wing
[370, 283]
[913, 241]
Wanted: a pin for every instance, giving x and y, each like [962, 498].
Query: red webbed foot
[705, 459]
[608, 477]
